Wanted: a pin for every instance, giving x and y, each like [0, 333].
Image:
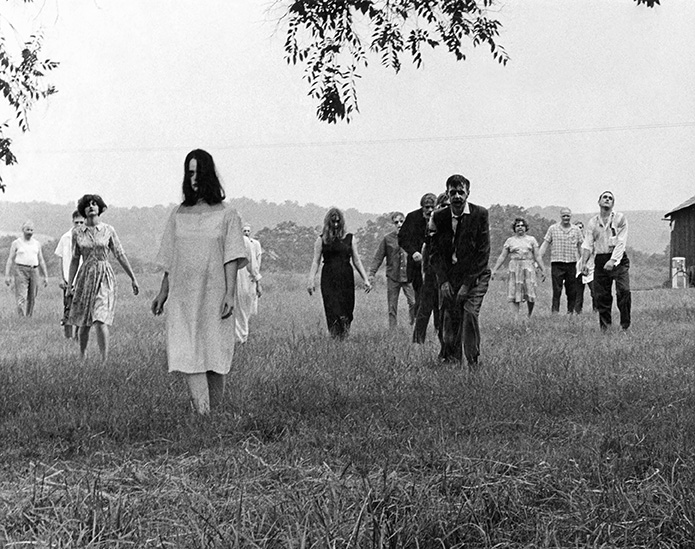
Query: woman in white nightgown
[202, 249]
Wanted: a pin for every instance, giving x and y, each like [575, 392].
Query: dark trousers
[603, 281]
[459, 331]
[428, 305]
[563, 274]
[579, 298]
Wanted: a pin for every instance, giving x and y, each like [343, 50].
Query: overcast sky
[598, 94]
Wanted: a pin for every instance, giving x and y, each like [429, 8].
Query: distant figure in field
[565, 241]
[396, 271]
[523, 252]
[93, 287]
[26, 257]
[248, 286]
[64, 252]
[428, 304]
[606, 237]
[201, 252]
[411, 237]
[460, 255]
[583, 281]
[335, 247]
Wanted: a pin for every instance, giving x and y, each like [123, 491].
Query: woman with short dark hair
[94, 290]
[202, 249]
[336, 248]
[523, 251]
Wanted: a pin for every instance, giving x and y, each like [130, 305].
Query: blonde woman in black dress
[337, 249]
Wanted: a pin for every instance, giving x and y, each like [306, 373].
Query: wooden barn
[683, 235]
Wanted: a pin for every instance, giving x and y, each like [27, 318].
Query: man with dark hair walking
[460, 254]
[411, 237]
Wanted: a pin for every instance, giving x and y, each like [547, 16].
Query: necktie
[457, 219]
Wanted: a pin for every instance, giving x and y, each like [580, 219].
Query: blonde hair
[330, 233]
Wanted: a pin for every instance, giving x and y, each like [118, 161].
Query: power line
[387, 141]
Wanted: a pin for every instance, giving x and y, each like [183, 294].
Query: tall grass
[566, 437]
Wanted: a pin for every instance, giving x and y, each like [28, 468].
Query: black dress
[338, 285]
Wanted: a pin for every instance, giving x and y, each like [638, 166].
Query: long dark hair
[209, 187]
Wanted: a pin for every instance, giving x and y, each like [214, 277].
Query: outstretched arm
[230, 273]
[42, 265]
[160, 300]
[539, 259]
[500, 260]
[311, 285]
[357, 262]
[8, 265]
[123, 260]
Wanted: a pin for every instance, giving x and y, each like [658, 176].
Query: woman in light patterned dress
[202, 248]
[94, 289]
[523, 253]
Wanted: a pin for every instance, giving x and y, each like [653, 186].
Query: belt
[27, 266]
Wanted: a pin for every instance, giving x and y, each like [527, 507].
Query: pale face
[457, 196]
[398, 223]
[193, 173]
[428, 208]
[92, 209]
[77, 221]
[606, 201]
[247, 231]
[28, 231]
[520, 229]
[565, 217]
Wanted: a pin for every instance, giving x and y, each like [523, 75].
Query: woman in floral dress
[202, 248]
[522, 251]
[94, 289]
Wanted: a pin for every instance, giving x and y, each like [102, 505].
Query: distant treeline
[288, 245]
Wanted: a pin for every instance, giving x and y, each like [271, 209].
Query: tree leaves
[23, 84]
[324, 36]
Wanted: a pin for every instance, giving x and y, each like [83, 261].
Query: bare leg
[83, 335]
[216, 388]
[102, 339]
[200, 393]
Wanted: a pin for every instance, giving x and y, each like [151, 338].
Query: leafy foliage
[287, 247]
[22, 83]
[323, 35]
[369, 237]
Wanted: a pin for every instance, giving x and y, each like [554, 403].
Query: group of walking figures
[438, 255]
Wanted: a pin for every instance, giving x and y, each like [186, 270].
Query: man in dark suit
[411, 238]
[460, 255]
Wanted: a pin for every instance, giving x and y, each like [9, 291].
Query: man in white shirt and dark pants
[606, 236]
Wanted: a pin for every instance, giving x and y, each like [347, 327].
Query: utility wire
[387, 141]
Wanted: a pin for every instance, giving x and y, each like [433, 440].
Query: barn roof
[686, 204]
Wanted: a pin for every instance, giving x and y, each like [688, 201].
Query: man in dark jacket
[460, 255]
[411, 238]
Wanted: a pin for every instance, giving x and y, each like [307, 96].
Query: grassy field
[565, 438]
